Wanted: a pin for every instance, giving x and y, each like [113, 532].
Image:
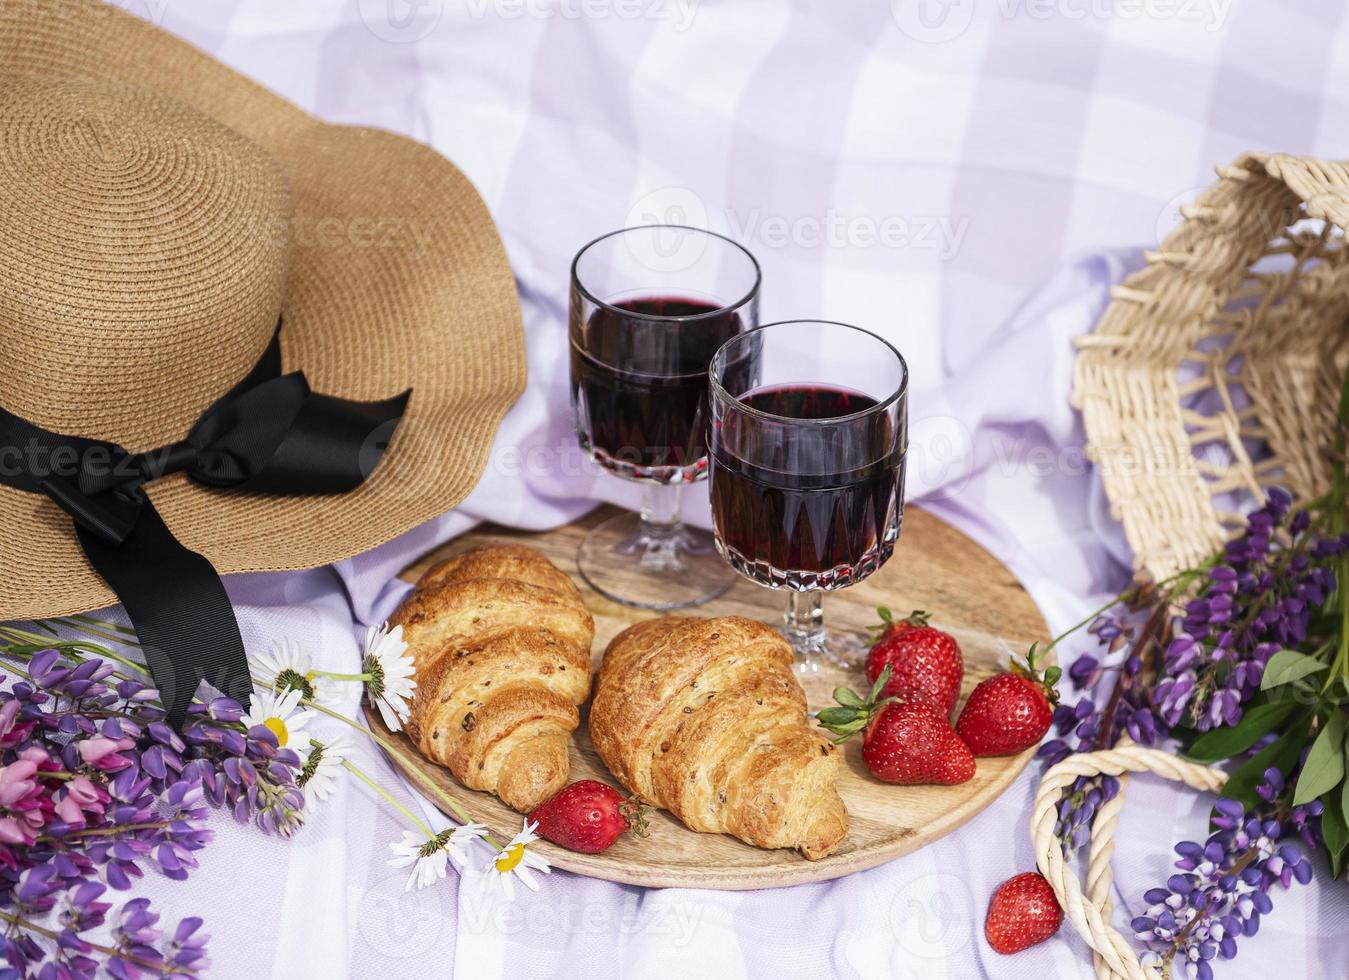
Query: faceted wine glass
[649, 308]
[808, 442]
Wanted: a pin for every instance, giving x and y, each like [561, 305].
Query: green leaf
[1287, 666]
[1344, 802]
[829, 717]
[886, 615]
[1281, 754]
[847, 697]
[1334, 830]
[1052, 676]
[879, 686]
[1324, 767]
[1223, 743]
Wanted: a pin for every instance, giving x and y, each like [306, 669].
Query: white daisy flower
[390, 670]
[429, 858]
[286, 667]
[516, 860]
[281, 714]
[322, 766]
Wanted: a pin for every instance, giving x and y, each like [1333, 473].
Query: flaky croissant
[501, 645]
[705, 718]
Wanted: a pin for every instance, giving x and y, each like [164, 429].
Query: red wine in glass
[803, 513]
[807, 446]
[639, 384]
[650, 307]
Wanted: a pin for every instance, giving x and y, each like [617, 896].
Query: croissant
[500, 642]
[705, 718]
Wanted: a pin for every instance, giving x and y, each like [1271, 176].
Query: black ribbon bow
[268, 434]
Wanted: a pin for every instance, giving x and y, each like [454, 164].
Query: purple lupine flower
[1223, 886]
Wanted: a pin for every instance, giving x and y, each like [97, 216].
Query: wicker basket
[1216, 370]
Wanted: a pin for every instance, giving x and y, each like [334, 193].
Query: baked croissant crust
[500, 641]
[705, 718]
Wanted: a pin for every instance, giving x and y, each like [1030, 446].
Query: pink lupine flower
[22, 798]
[102, 752]
[12, 731]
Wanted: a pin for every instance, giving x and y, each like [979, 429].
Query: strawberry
[588, 816]
[926, 661]
[909, 742]
[1010, 712]
[1022, 913]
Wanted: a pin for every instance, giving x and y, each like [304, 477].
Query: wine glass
[808, 442]
[649, 308]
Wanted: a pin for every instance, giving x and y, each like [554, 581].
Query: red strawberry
[1022, 913]
[1010, 712]
[906, 742]
[588, 816]
[926, 661]
[911, 743]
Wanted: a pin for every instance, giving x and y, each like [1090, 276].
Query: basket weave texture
[1216, 370]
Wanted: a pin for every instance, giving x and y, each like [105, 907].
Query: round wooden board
[935, 567]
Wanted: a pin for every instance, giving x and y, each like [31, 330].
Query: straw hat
[160, 213]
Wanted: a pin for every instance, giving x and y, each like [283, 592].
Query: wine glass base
[653, 566]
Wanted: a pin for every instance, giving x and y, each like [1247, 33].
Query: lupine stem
[160, 969]
[106, 831]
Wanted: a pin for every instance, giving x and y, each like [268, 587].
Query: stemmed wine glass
[649, 307]
[808, 442]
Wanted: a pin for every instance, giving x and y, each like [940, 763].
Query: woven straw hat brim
[398, 279]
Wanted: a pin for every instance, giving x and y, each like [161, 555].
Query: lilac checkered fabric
[918, 167]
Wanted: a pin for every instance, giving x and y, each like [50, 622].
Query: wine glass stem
[660, 507]
[660, 533]
[804, 621]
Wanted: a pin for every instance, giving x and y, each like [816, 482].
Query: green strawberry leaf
[848, 697]
[886, 615]
[1324, 767]
[829, 717]
[1287, 666]
[1227, 741]
[879, 686]
[1052, 675]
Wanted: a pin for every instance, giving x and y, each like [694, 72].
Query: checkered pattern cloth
[917, 167]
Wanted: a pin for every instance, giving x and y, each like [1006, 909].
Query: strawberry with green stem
[907, 741]
[1010, 712]
[926, 662]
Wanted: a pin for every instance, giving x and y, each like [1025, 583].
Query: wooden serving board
[935, 567]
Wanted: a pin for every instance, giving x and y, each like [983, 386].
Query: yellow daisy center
[510, 858]
[278, 728]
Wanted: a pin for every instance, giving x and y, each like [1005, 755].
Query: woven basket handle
[1089, 912]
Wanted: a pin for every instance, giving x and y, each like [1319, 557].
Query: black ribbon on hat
[268, 434]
